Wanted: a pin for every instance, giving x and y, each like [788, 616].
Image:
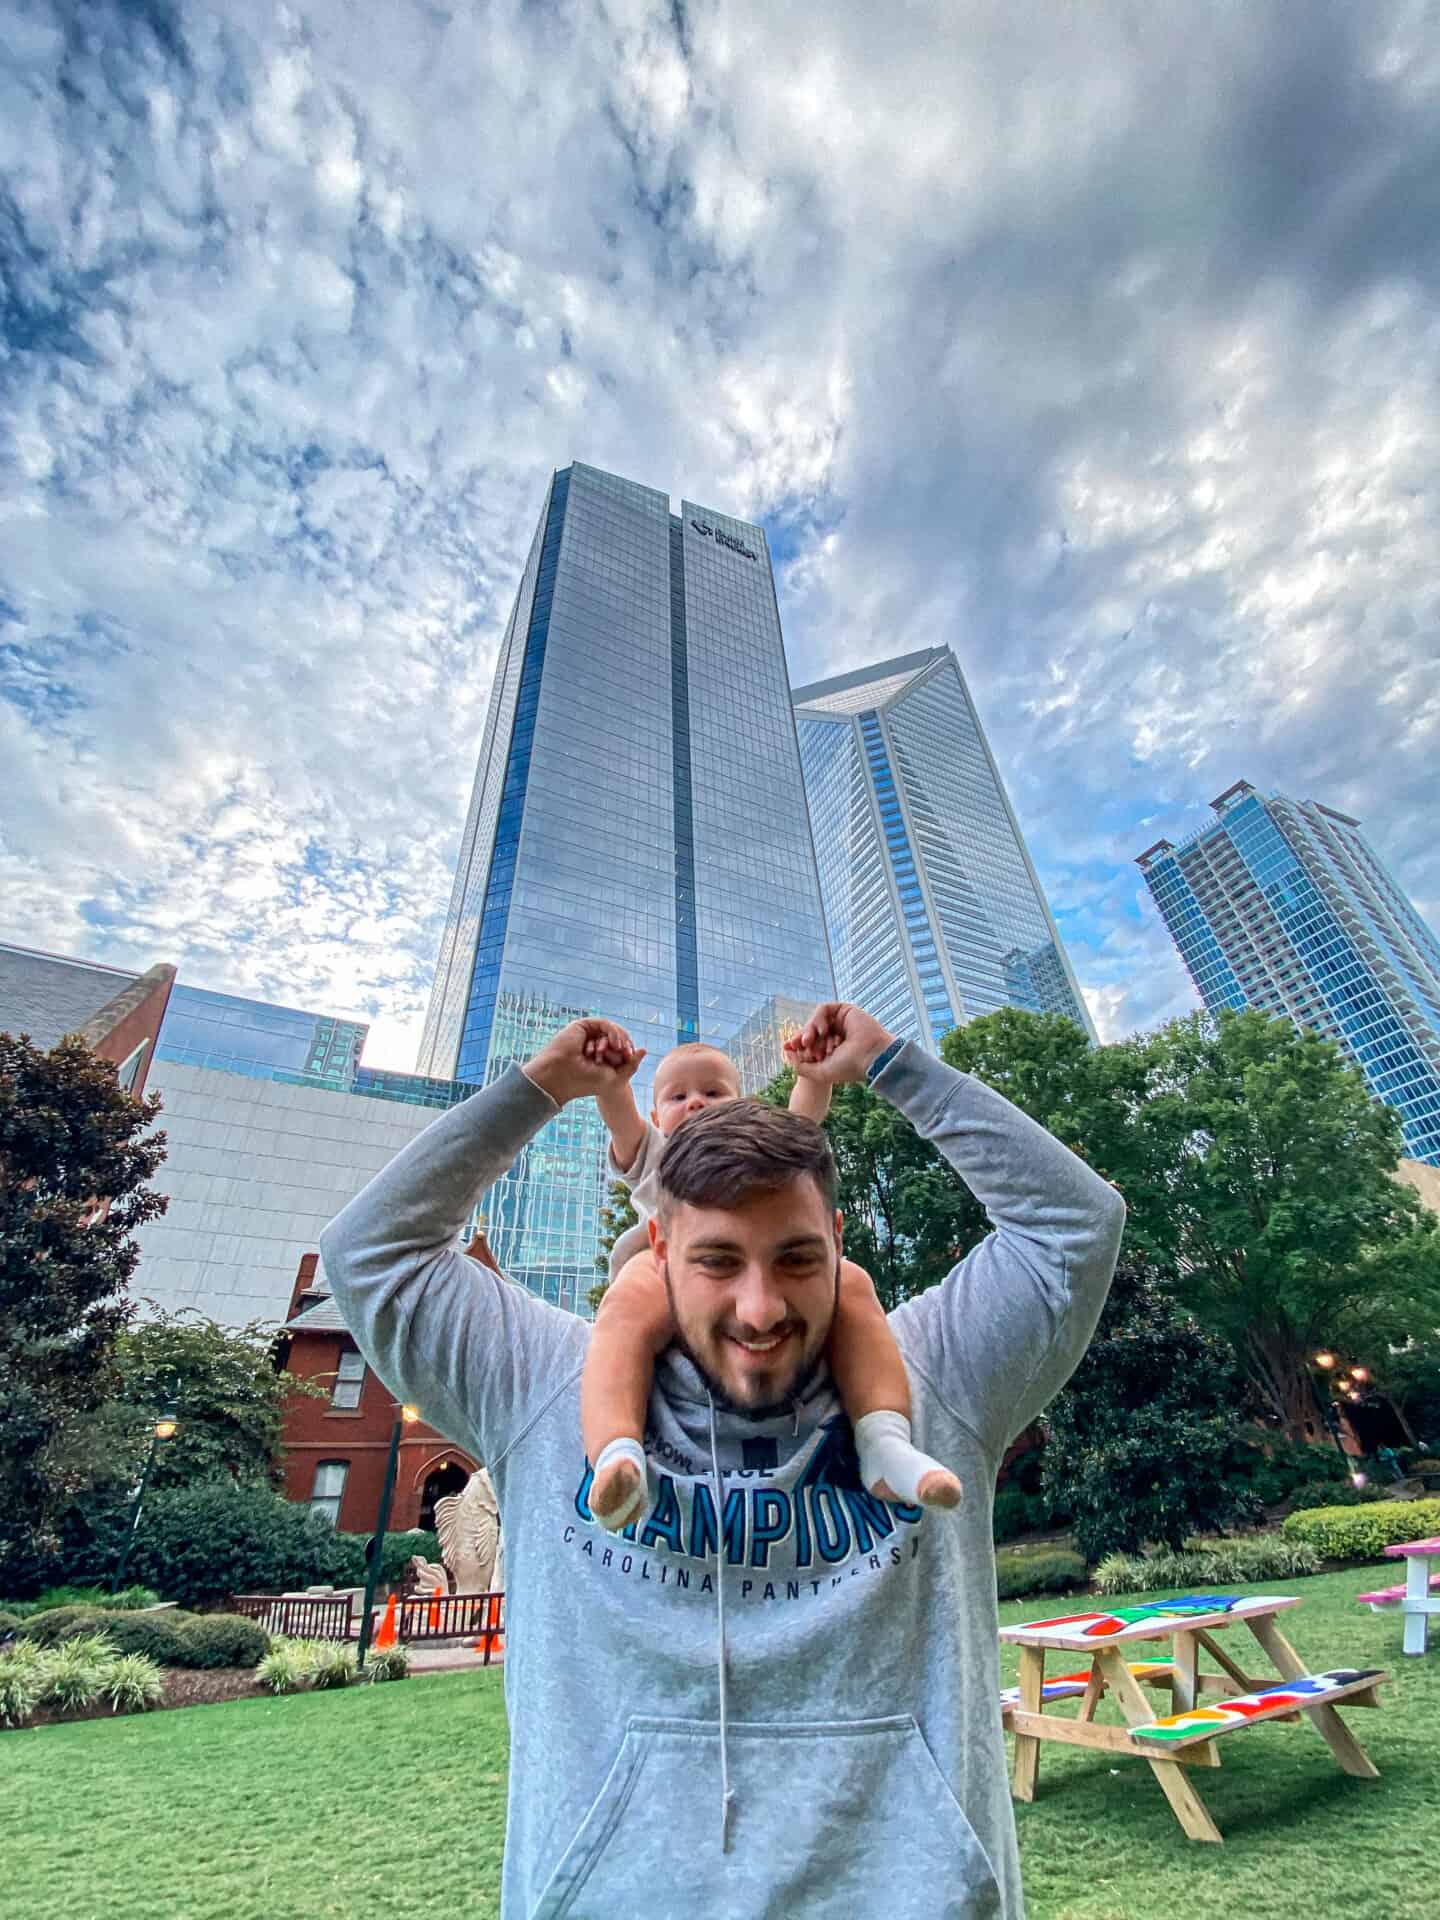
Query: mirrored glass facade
[933, 908]
[637, 842]
[1286, 906]
[236, 1035]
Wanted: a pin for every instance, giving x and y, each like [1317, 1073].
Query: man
[774, 1695]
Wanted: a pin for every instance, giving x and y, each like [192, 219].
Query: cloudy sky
[1098, 340]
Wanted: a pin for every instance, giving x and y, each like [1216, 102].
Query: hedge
[1363, 1533]
[1207, 1564]
[1017, 1574]
[171, 1639]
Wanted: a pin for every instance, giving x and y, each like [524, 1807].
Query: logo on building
[722, 538]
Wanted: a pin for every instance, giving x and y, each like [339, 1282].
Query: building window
[128, 1071]
[349, 1378]
[329, 1486]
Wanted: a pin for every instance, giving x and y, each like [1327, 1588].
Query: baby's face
[687, 1082]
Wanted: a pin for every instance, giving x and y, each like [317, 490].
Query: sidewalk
[448, 1659]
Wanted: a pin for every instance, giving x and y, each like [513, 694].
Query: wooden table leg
[1242, 1680]
[1027, 1748]
[1186, 1655]
[1347, 1750]
[1094, 1687]
[1185, 1803]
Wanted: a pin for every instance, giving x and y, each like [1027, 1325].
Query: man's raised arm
[1005, 1330]
[478, 1356]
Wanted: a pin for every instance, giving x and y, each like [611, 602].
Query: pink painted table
[1417, 1555]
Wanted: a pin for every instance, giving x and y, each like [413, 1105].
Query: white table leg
[1417, 1591]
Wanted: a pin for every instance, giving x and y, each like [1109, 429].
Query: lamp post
[375, 1550]
[1326, 1362]
[163, 1429]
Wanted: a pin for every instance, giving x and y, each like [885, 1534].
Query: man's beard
[807, 1372]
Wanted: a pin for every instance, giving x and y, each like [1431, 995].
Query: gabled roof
[321, 1316]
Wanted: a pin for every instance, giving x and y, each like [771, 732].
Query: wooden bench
[1071, 1686]
[1284, 1700]
[1391, 1596]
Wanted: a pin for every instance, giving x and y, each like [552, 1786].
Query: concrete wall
[1424, 1179]
[255, 1170]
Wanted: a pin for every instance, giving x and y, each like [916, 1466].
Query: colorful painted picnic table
[1417, 1555]
[1203, 1705]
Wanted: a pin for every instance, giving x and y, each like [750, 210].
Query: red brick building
[335, 1448]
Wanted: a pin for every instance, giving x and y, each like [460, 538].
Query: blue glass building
[637, 842]
[1288, 907]
[933, 908]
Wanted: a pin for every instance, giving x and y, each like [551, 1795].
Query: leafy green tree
[1282, 1223]
[74, 1169]
[908, 1219]
[1138, 1443]
[228, 1397]
[615, 1219]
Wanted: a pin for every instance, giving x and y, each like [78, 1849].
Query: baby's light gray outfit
[848, 1695]
[642, 1177]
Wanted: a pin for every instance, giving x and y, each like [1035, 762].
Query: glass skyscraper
[637, 843]
[236, 1035]
[933, 909]
[1288, 907]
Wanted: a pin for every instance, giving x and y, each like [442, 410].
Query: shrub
[21, 1686]
[222, 1640]
[1208, 1563]
[133, 1684]
[390, 1663]
[1363, 1533]
[73, 1676]
[398, 1551]
[332, 1664]
[1018, 1512]
[60, 1623]
[1280, 1469]
[1057, 1571]
[200, 1544]
[1339, 1493]
[9, 1621]
[158, 1636]
[283, 1670]
[1140, 1440]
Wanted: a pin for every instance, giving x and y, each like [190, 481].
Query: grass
[323, 1806]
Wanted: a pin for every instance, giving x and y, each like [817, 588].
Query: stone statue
[468, 1524]
[425, 1576]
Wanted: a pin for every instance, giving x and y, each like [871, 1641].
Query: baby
[634, 1326]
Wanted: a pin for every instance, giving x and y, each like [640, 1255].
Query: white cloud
[1106, 352]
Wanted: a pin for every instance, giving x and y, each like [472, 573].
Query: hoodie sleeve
[478, 1355]
[1006, 1328]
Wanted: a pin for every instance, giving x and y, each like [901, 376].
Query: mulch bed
[184, 1687]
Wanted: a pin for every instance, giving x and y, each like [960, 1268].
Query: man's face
[752, 1289]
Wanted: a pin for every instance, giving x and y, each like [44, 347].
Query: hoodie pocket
[827, 1819]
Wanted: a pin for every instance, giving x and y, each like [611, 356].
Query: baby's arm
[632, 1328]
[869, 1372]
[807, 1096]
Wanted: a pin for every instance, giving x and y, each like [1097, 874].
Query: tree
[227, 1394]
[1138, 1443]
[73, 1173]
[908, 1218]
[615, 1219]
[1281, 1220]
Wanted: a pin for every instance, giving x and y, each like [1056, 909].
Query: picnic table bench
[1204, 1705]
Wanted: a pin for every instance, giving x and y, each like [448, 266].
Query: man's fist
[837, 1044]
[586, 1057]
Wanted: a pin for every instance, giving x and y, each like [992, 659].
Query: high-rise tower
[637, 842]
[1288, 907]
[934, 911]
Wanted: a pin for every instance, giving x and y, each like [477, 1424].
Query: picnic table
[1185, 1737]
[1417, 1555]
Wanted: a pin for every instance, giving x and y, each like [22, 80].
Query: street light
[164, 1428]
[405, 1416]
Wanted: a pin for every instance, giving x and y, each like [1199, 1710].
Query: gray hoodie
[774, 1696]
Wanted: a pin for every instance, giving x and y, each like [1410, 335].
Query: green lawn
[346, 1805]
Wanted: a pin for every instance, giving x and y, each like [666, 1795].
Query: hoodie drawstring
[727, 1792]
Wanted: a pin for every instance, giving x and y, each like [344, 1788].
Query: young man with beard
[774, 1694]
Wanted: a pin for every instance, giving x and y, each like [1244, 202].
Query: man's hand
[837, 1044]
[588, 1056]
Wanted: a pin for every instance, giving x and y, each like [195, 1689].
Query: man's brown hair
[718, 1158]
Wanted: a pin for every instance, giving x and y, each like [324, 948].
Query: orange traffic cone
[435, 1610]
[385, 1638]
[492, 1640]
